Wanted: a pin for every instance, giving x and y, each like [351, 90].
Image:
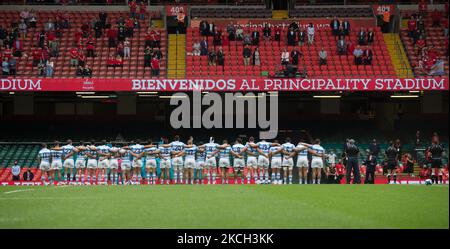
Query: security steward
[352, 152]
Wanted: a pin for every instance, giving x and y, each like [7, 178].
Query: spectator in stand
[412, 26]
[247, 39]
[126, 48]
[129, 27]
[367, 56]
[28, 175]
[15, 170]
[212, 58]
[217, 38]
[255, 37]
[73, 57]
[33, 19]
[196, 48]
[420, 44]
[358, 55]
[142, 10]
[8, 53]
[246, 53]
[346, 27]
[5, 67]
[49, 25]
[294, 26]
[295, 55]
[239, 33]
[84, 71]
[256, 57]
[119, 50]
[41, 38]
[25, 15]
[310, 32]
[436, 18]
[370, 36]
[98, 29]
[267, 32]
[231, 30]
[81, 59]
[301, 37]
[118, 62]
[102, 16]
[13, 66]
[90, 48]
[291, 37]
[341, 46]
[340, 33]
[220, 57]
[335, 25]
[148, 54]
[155, 66]
[211, 28]
[23, 29]
[148, 38]
[36, 54]
[49, 67]
[41, 68]
[278, 34]
[156, 39]
[133, 7]
[204, 28]
[3, 34]
[421, 25]
[285, 57]
[331, 173]
[121, 34]
[423, 7]
[322, 57]
[17, 48]
[157, 52]
[204, 47]
[362, 37]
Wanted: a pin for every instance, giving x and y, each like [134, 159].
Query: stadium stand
[323, 12]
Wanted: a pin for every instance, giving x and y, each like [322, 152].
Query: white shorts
[238, 163]
[103, 164]
[164, 163]
[137, 163]
[263, 162]
[91, 164]
[80, 163]
[126, 165]
[289, 163]
[317, 163]
[189, 163]
[302, 162]
[252, 162]
[200, 165]
[45, 166]
[69, 163]
[56, 165]
[177, 162]
[211, 162]
[113, 163]
[224, 162]
[276, 163]
[150, 163]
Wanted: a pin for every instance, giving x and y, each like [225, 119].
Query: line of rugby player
[87, 163]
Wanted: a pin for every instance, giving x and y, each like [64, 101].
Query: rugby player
[125, 156]
[275, 153]
[211, 150]
[92, 163]
[288, 161]
[318, 157]
[301, 152]
[252, 162]
[136, 150]
[69, 163]
[189, 152]
[200, 164]
[263, 148]
[56, 166]
[238, 160]
[114, 156]
[44, 156]
[435, 150]
[103, 160]
[224, 151]
[391, 157]
[165, 163]
[80, 163]
[151, 151]
[177, 159]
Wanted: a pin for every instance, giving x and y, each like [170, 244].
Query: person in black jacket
[295, 54]
[103, 16]
[374, 148]
[335, 25]
[220, 57]
[435, 151]
[246, 53]
[352, 152]
[255, 37]
[362, 37]
[370, 36]
[204, 28]
[391, 162]
[28, 175]
[346, 27]
[370, 163]
[291, 37]
[367, 56]
[267, 32]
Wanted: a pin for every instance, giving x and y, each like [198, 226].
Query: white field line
[20, 190]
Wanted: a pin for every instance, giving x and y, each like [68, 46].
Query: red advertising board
[225, 84]
[172, 10]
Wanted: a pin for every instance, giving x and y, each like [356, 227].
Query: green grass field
[232, 206]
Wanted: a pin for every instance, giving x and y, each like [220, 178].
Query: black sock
[68, 176]
[389, 179]
[433, 179]
[395, 178]
[440, 179]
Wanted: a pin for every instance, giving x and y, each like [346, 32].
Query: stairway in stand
[176, 61]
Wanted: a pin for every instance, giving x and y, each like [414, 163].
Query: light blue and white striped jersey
[225, 152]
[150, 150]
[81, 154]
[237, 148]
[201, 155]
[251, 149]
[287, 147]
[264, 146]
[273, 149]
[44, 155]
[190, 152]
[177, 146]
[210, 148]
[303, 153]
[67, 149]
[104, 149]
[126, 156]
[137, 149]
[165, 152]
[93, 153]
[114, 152]
[56, 155]
[318, 149]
